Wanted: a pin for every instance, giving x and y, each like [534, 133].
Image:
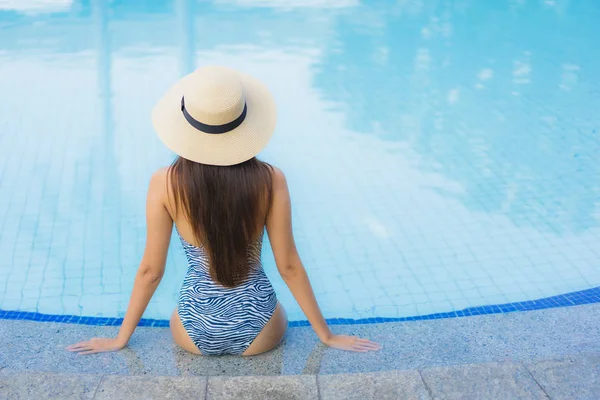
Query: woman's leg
[180, 336]
[271, 334]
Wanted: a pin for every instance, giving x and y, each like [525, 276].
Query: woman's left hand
[97, 345]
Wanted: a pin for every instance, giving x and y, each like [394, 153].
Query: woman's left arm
[159, 227]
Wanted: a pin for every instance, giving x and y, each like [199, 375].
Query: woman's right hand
[97, 345]
[351, 343]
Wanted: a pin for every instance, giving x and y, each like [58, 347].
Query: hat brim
[230, 148]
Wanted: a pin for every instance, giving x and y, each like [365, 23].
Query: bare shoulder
[158, 182]
[279, 181]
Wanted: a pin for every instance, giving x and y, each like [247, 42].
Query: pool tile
[477, 193]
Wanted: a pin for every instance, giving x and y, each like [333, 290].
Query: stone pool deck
[574, 377]
[553, 353]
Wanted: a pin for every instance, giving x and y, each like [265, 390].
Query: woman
[221, 198]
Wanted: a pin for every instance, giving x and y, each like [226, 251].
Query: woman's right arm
[279, 229]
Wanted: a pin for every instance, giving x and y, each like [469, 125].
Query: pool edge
[586, 296]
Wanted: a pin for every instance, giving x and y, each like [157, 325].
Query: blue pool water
[441, 154]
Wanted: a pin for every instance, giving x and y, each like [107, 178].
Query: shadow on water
[105, 146]
[185, 24]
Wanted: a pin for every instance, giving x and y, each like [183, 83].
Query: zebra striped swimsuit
[222, 320]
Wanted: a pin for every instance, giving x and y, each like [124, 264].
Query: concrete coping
[573, 377]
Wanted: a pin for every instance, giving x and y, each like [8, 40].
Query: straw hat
[216, 116]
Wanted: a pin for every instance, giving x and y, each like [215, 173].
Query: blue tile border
[587, 296]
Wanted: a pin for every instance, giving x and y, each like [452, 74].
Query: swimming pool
[441, 154]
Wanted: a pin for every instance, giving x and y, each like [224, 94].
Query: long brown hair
[226, 208]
